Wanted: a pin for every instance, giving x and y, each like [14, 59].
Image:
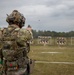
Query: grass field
[52, 60]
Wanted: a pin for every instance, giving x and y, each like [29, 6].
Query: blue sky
[53, 15]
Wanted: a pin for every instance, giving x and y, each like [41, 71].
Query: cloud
[38, 10]
[42, 14]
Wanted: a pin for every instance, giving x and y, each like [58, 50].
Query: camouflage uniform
[14, 49]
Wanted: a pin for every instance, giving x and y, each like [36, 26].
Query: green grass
[66, 55]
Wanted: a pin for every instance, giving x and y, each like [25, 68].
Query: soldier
[15, 45]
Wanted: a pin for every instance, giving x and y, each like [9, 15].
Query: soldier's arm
[0, 42]
[1, 56]
[24, 36]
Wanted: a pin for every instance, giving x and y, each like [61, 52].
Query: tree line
[52, 33]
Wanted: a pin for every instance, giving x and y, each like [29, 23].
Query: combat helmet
[16, 18]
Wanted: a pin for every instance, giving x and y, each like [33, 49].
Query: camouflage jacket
[14, 43]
